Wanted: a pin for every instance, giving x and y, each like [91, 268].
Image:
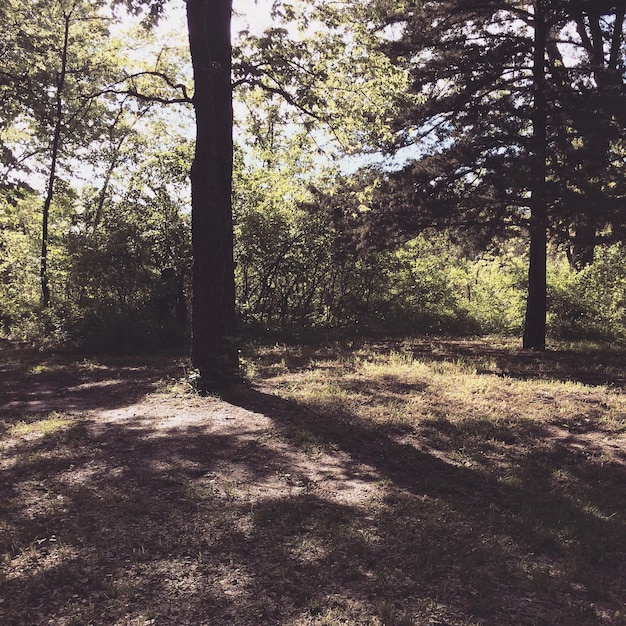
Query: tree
[56, 62]
[536, 304]
[214, 352]
[589, 84]
[58, 123]
[489, 143]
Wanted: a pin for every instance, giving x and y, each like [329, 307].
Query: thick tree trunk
[536, 304]
[214, 353]
[582, 248]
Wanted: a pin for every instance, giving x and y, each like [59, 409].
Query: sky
[254, 15]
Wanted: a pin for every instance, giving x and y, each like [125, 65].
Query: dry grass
[390, 483]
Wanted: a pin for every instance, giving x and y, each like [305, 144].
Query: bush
[496, 292]
[590, 303]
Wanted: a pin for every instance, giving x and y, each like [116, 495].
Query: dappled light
[312, 313]
[357, 492]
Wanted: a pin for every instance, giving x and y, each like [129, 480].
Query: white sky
[252, 14]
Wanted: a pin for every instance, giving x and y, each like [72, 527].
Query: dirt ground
[127, 499]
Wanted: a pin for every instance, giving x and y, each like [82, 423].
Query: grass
[535, 476]
[50, 425]
[386, 484]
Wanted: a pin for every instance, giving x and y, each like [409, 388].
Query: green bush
[590, 303]
[496, 292]
[421, 288]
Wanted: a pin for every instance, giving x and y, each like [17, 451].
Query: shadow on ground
[125, 523]
[33, 381]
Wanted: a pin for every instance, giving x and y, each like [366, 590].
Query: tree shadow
[516, 520]
[124, 523]
[34, 382]
[117, 518]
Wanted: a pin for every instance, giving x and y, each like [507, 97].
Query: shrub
[590, 303]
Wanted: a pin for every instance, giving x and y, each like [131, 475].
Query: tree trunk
[214, 353]
[582, 248]
[536, 304]
[597, 129]
[56, 145]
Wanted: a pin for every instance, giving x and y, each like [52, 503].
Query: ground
[423, 481]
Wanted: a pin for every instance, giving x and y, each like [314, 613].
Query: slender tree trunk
[214, 353]
[56, 144]
[116, 149]
[536, 304]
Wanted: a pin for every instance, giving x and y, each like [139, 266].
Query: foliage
[590, 303]
[470, 134]
[298, 266]
[146, 231]
[329, 68]
[46, 82]
[496, 288]
[317, 244]
[19, 230]
[111, 238]
[20, 222]
[466, 136]
[121, 281]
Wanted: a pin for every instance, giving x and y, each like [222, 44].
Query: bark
[580, 253]
[536, 304]
[214, 353]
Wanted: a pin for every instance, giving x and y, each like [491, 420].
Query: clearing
[426, 481]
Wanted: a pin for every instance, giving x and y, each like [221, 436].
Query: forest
[403, 172]
[312, 312]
